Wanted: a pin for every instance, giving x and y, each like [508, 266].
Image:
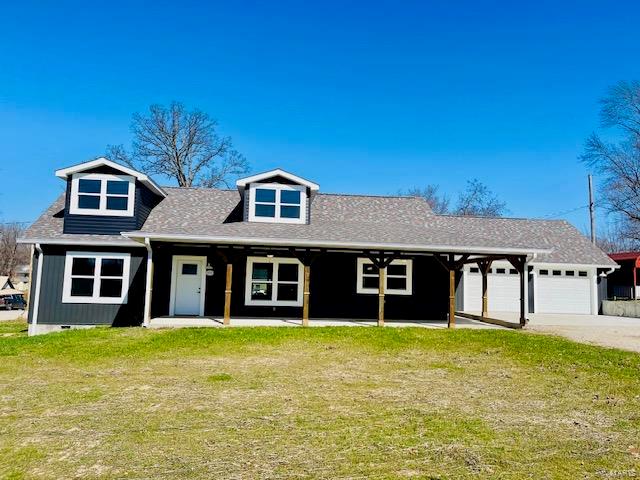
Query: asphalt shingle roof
[351, 219]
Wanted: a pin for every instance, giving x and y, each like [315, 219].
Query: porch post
[523, 317]
[484, 267]
[146, 321]
[633, 290]
[452, 297]
[227, 295]
[306, 293]
[381, 276]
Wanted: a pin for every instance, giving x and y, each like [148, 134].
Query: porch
[249, 285]
[218, 321]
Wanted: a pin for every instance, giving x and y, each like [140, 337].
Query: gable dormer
[276, 196]
[105, 198]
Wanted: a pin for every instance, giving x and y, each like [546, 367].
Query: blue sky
[361, 97]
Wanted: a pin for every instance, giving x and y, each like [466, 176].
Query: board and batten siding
[52, 311]
[144, 202]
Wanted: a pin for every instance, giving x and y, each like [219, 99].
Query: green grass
[315, 403]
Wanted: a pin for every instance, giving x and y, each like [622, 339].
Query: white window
[276, 202]
[274, 281]
[102, 194]
[398, 278]
[96, 277]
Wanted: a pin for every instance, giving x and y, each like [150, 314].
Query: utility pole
[592, 213]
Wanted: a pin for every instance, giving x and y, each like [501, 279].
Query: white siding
[503, 290]
[563, 294]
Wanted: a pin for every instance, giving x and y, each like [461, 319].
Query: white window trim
[102, 210]
[278, 187]
[407, 291]
[276, 261]
[96, 298]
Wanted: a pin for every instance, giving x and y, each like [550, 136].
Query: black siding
[144, 202]
[333, 289]
[51, 309]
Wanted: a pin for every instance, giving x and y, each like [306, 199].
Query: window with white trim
[277, 203]
[96, 277]
[398, 278]
[274, 282]
[102, 194]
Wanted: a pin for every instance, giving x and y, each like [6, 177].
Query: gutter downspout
[148, 288]
[32, 330]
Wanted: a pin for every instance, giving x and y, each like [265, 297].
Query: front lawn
[342, 402]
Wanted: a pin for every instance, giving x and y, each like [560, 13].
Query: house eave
[277, 242]
[64, 173]
[125, 242]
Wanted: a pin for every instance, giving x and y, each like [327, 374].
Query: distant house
[21, 278]
[625, 282]
[118, 249]
[5, 283]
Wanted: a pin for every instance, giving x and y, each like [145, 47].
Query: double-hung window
[102, 194]
[96, 277]
[274, 281]
[275, 202]
[398, 278]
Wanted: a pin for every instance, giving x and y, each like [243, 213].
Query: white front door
[187, 294]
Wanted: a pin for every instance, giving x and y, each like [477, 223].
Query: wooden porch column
[635, 276]
[381, 276]
[484, 267]
[227, 295]
[519, 263]
[523, 314]
[306, 293]
[452, 299]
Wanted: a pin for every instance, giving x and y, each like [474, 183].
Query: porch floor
[173, 322]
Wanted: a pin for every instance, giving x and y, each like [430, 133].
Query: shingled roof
[350, 220]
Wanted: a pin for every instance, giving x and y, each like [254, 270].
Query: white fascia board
[141, 236]
[278, 172]
[126, 242]
[571, 265]
[100, 162]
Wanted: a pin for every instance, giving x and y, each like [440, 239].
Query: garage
[563, 291]
[558, 289]
[503, 285]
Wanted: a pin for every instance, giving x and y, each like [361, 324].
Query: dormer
[104, 197]
[276, 196]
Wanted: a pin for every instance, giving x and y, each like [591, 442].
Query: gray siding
[53, 311]
[144, 202]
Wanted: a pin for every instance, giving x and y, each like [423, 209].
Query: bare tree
[438, 203]
[12, 253]
[477, 200]
[183, 145]
[618, 161]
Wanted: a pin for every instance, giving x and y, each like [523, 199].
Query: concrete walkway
[603, 330]
[11, 314]
[173, 322]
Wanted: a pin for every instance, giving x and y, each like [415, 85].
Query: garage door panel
[563, 295]
[503, 292]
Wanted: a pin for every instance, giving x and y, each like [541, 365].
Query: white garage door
[503, 289]
[563, 291]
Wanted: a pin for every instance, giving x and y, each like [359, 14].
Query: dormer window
[276, 202]
[102, 194]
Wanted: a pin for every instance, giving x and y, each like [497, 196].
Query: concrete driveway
[603, 330]
[10, 314]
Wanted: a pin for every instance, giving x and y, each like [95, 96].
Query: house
[21, 278]
[118, 249]
[623, 283]
[5, 283]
